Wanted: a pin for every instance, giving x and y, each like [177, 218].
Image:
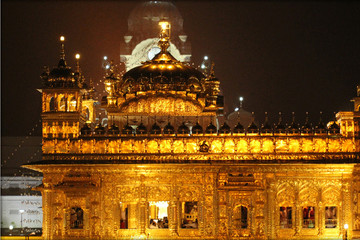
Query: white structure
[20, 211]
[20, 206]
[141, 42]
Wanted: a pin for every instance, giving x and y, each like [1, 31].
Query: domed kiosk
[163, 87]
[140, 43]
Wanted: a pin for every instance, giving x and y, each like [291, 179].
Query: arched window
[241, 217]
[62, 105]
[330, 217]
[72, 104]
[285, 217]
[76, 218]
[308, 217]
[52, 104]
[124, 218]
[189, 215]
[86, 112]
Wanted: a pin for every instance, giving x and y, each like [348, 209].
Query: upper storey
[164, 81]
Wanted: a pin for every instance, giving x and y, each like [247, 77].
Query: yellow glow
[229, 146]
[77, 56]
[62, 38]
[152, 146]
[216, 146]
[268, 146]
[164, 24]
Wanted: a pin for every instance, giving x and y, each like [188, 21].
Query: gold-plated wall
[217, 145]
[219, 191]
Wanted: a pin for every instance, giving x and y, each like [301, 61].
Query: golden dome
[163, 72]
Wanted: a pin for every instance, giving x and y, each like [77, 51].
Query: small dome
[253, 128]
[155, 129]
[99, 129]
[280, 127]
[141, 129]
[225, 129]
[127, 130]
[183, 129]
[307, 127]
[211, 129]
[239, 128]
[294, 127]
[114, 130]
[321, 127]
[197, 129]
[169, 129]
[61, 76]
[266, 127]
[334, 128]
[85, 130]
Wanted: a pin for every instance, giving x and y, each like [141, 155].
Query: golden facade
[161, 180]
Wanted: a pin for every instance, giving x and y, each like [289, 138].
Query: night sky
[279, 55]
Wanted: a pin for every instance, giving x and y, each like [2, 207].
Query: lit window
[330, 217]
[76, 218]
[72, 107]
[158, 215]
[52, 104]
[124, 216]
[241, 217]
[308, 217]
[62, 104]
[189, 214]
[285, 217]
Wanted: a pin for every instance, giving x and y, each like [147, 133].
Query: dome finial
[62, 51]
[241, 99]
[164, 36]
[77, 57]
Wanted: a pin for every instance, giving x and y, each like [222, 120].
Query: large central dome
[163, 86]
[164, 72]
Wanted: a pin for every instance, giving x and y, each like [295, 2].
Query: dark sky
[279, 55]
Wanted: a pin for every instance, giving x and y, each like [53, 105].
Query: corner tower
[62, 94]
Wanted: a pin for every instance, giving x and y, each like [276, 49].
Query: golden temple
[158, 173]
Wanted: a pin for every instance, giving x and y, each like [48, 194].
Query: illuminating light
[11, 227]
[203, 66]
[105, 57]
[164, 25]
[346, 226]
[236, 109]
[77, 56]
[107, 66]
[62, 38]
[206, 58]
[241, 99]
[21, 211]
